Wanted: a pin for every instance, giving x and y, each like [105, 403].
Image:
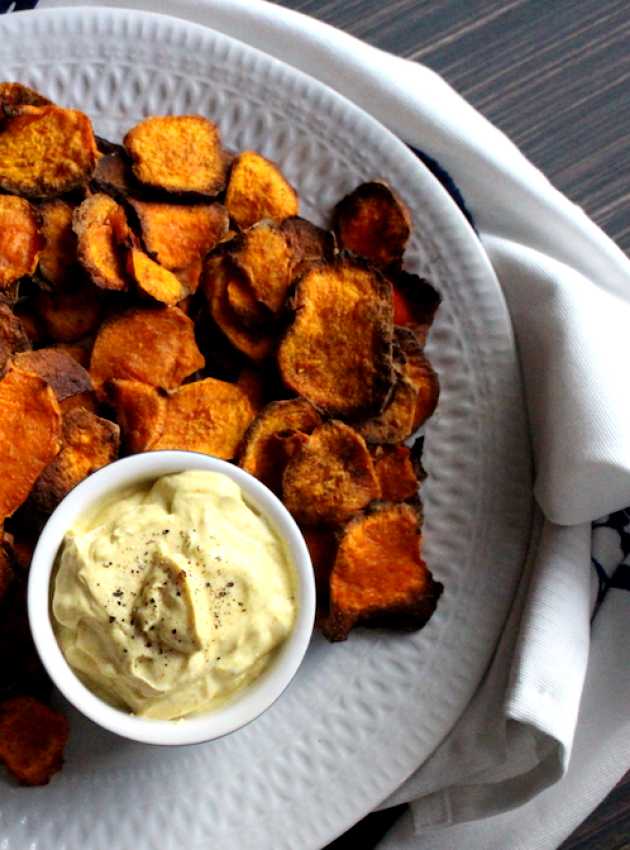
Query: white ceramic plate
[360, 716]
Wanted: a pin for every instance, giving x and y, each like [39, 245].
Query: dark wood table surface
[555, 76]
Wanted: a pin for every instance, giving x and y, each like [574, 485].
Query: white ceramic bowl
[247, 704]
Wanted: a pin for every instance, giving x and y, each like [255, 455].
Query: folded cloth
[546, 735]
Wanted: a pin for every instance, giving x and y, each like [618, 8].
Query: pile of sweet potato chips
[165, 294]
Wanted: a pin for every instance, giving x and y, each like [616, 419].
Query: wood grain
[555, 76]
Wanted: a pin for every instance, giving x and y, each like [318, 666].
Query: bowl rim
[248, 703]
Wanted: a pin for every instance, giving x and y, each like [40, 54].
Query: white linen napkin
[546, 736]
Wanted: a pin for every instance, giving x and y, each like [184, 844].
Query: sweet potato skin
[17, 94]
[29, 435]
[374, 223]
[153, 345]
[257, 189]
[379, 577]
[330, 478]
[208, 416]
[20, 240]
[32, 739]
[88, 443]
[177, 153]
[45, 151]
[337, 353]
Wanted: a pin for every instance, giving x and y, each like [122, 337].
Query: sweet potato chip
[20, 241]
[421, 374]
[13, 337]
[68, 316]
[244, 304]
[307, 242]
[265, 256]
[254, 386]
[16, 94]
[32, 739]
[140, 411]
[266, 458]
[190, 276]
[30, 431]
[378, 577]
[112, 174]
[322, 547]
[252, 342]
[70, 382]
[155, 345]
[415, 303]
[177, 153]
[257, 189]
[59, 252]
[374, 223]
[338, 351]
[208, 416]
[395, 472]
[177, 235]
[331, 478]
[154, 280]
[101, 228]
[45, 151]
[88, 443]
[396, 421]
[79, 351]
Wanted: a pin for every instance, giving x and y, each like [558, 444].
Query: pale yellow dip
[171, 596]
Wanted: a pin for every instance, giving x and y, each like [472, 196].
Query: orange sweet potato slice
[88, 443]
[140, 411]
[244, 304]
[32, 739]
[379, 577]
[13, 337]
[265, 256]
[338, 351]
[253, 342]
[266, 458]
[17, 94]
[20, 241]
[416, 302]
[253, 384]
[59, 252]
[101, 228]
[68, 316]
[331, 478]
[29, 435]
[153, 280]
[420, 373]
[208, 416]
[178, 235]
[396, 421]
[70, 382]
[154, 345]
[257, 189]
[45, 151]
[190, 276]
[177, 153]
[374, 223]
[395, 472]
[322, 547]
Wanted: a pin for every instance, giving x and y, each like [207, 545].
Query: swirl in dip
[172, 595]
